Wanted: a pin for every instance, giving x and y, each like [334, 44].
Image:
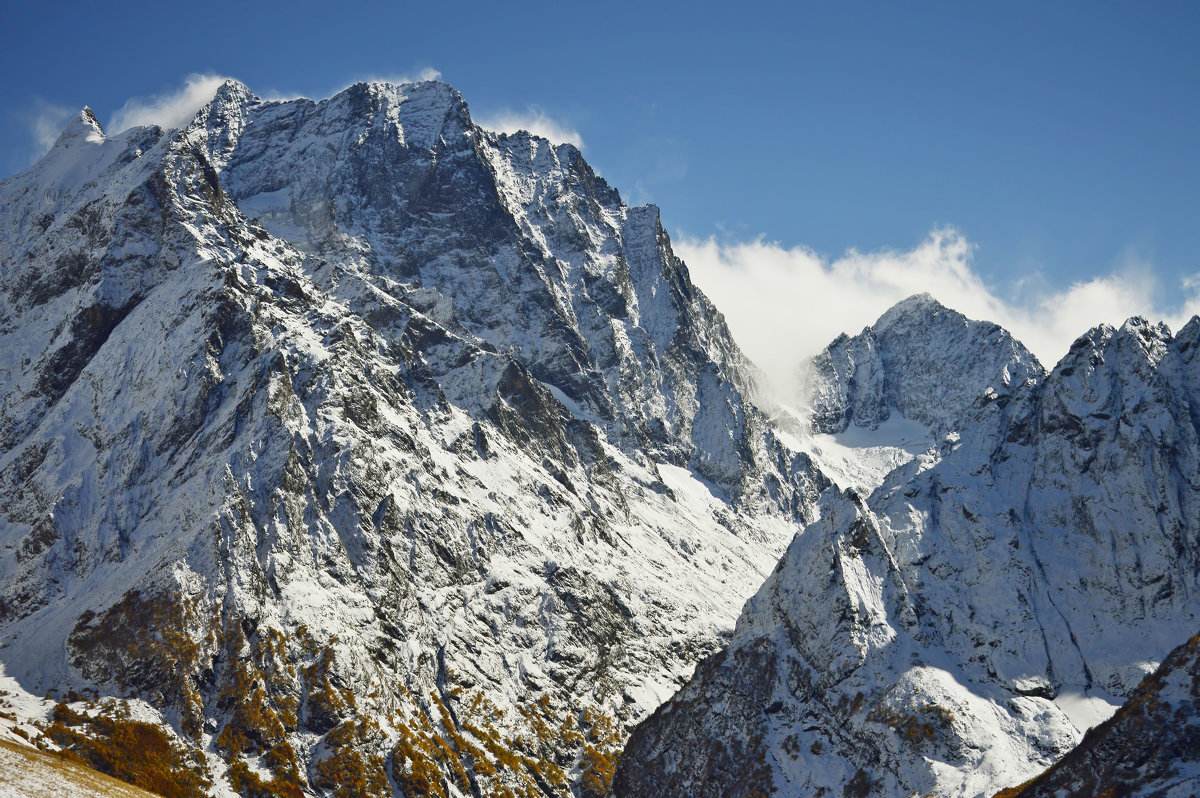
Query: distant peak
[229, 102]
[233, 91]
[923, 301]
[916, 306]
[418, 81]
[1137, 322]
[404, 88]
[88, 117]
[1151, 338]
[923, 298]
[83, 127]
[649, 210]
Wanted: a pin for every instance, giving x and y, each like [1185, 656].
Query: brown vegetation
[914, 729]
[139, 753]
[259, 691]
[141, 644]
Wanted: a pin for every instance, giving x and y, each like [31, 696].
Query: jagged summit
[233, 92]
[83, 128]
[958, 629]
[914, 308]
[921, 359]
[352, 445]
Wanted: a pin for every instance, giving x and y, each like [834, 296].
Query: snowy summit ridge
[920, 359]
[348, 448]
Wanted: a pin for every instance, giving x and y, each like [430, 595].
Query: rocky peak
[535, 253]
[385, 442]
[83, 128]
[233, 93]
[914, 311]
[920, 359]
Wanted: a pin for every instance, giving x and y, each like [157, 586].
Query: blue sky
[1059, 139]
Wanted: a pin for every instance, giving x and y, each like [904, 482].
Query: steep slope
[26, 772]
[434, 478]
[1150, 747]
[954, 632]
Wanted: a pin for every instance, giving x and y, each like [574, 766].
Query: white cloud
[170, 109]
[426, 73]
[785, 304]
[45, 121]
[535, 121]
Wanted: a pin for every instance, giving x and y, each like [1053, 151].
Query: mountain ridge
[441, 471]
[360, 450]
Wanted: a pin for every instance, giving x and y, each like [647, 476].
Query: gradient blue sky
[1061, 139]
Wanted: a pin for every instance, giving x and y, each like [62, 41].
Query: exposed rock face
[1150, 747]
[954, 632]
[373, 447]
[922, 360]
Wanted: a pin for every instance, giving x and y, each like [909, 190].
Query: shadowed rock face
[372, 446]
[921, 359]
[1150, 747]
[950, 633]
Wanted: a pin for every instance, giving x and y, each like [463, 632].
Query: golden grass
[26, 772]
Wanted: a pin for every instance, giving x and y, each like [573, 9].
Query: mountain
[921, 360]
[896, 389]
[346, 446]
[956, 630]
[1150, 747]
[29, 773]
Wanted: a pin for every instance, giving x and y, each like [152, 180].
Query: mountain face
[900, 386]
[347, 448]
[361, 449]
[922, 360]
[955, 631]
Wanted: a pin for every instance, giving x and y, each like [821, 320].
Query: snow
[1087, 708]
[19, 709]
[860, 458]
[1039, 544]
[338, 425]
[463, 411]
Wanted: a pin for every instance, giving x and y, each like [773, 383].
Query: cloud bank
[45, 121]
[169, 109]
[785, 304]
[535, 121]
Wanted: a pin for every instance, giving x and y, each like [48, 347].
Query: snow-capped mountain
[347, 448]
[366, 449]
[920, 359]
[900, 386]
[956, 631]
